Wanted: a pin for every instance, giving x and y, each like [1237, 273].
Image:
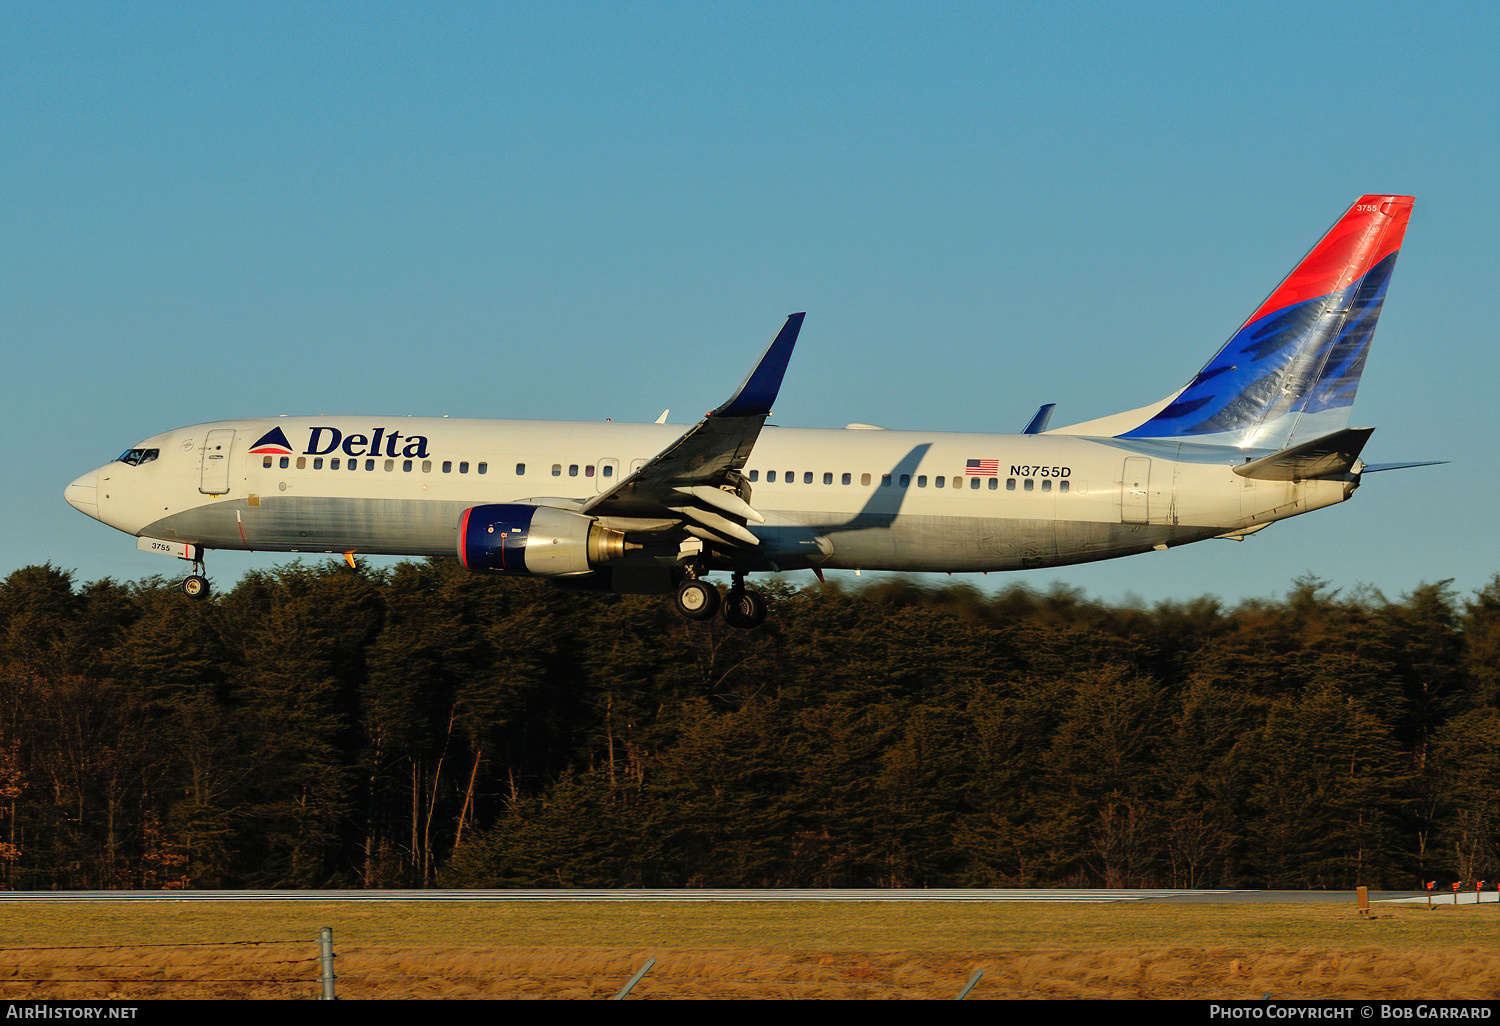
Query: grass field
[532, 949]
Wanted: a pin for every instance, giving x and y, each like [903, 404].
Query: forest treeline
[320, 725]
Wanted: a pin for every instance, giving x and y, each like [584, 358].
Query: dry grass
[748, 950]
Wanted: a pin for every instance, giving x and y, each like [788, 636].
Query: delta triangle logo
[272, 443]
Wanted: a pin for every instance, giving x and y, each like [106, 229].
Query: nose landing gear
[195, 586]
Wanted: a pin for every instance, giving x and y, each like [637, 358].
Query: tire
[195, 588]
[744, 609]
[697, 600]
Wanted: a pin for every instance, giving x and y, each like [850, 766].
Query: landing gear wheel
[195, 588]
[744, 608]
[697, 600]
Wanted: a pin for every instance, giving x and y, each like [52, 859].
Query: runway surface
[1212, 897]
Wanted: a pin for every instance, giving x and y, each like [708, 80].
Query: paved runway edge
[1079, 896]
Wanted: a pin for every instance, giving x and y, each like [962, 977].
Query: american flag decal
[982, 468]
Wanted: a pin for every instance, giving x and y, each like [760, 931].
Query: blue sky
[589, 210]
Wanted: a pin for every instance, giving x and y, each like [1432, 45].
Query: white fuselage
[842, 499]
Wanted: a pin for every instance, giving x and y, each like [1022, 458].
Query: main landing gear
[744, 608]
[697, 599]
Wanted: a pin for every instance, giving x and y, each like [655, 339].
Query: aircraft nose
[83, 494]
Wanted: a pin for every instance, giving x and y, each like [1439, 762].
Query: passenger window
[267, 463]
[974, 483]
[301, 462]
[609, 470]
[426, 466]
[827, 478]
[938, 482]
[520, 469]
[286, 461]
[754, 476]
[390, 465]
[1063, 487]
[1030, 485]
[994, 483]
[958, 482]
[447, 466]
[885, 480]
[333, 464]
[483, 468]
[572, 470]
[921, 480]
[557, 470]
[789, 476]
[1010, 484]
[905, 480]
[847, 479]
[864, 479]
[1047, 485]
[369, 464]
[406, 466]
[807, 477]
[463, 466]
[588, 471]
[770, 477]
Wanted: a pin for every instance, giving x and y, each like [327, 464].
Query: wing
[697, 478]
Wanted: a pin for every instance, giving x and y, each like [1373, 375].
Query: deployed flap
[1322, 457]
[711, 455]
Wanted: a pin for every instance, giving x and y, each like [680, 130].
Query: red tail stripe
[1371, 231]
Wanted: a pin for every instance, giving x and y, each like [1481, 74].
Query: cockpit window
[135, 457]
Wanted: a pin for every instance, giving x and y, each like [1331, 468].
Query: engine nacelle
[536, 541]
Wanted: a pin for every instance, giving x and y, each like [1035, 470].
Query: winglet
[1039, 421]
[758, 391]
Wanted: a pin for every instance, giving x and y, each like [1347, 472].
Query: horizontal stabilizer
[1322, 457]
[1375, 468]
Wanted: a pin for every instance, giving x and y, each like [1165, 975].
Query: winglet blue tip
[758, 391]
[1040, 420]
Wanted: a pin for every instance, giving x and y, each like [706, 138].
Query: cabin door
[213, 472]
[1135, 491]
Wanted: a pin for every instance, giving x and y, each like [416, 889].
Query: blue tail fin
[1289, 374]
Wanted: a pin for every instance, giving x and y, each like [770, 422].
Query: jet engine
[537, 541]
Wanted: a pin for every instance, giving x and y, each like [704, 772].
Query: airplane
[1259, 434]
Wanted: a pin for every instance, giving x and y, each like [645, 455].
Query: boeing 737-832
[1259, 434]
